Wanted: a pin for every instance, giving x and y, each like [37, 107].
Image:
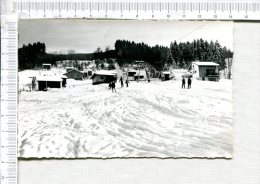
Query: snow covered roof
[105, 72]
[69, 67]
[166, 72]
[49, 78]
[206, 63]
[132, 70]
[86, 70]
[47, 64]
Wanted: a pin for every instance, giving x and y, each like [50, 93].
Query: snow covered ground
[157, 119]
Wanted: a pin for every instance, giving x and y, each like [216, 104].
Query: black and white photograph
[125, 89]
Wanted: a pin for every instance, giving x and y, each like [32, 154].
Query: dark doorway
[210, 72]
[166, 77]
[131, 74]
[42, 85]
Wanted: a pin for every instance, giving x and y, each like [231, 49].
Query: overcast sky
[84, 36]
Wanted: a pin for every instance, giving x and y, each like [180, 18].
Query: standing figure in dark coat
[122, 82]
[33, 82]
[189, 83]
[126, 82]
[183, 83]
[113, 86]
[110, 85]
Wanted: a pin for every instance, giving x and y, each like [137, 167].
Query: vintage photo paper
[125, 89]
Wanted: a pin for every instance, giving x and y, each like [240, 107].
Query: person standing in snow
[110, 85]
[183, 83]
[113, 86]
[33, 82]
[126, 82]
[122, 82]
[189, 82]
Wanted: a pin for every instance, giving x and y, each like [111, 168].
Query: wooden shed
[74, 74]
[165, 76]
[104, 76]
[205, 70]
[44, 82]
[136, 75]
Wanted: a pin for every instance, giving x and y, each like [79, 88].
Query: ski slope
[156, 119]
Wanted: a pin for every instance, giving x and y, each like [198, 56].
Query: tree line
[34, 55]
[179, 55]
[29, 55]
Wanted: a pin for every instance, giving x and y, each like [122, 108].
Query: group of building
[44, 81]
[208, 71]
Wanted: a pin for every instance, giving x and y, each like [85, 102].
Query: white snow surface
[106, 72]
[156, 119]
[204, 63]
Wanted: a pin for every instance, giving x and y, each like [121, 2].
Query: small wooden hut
[205, 70]
[44, 82]
[104, 76]
[74, 74]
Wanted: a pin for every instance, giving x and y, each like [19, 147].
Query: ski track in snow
[157, 119]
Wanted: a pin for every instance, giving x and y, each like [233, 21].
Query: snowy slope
[157, 119]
